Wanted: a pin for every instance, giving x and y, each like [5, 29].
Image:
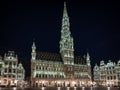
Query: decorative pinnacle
[64, 3]
[65, 9]
[33, 44]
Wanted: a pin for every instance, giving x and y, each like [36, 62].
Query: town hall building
[60, 69]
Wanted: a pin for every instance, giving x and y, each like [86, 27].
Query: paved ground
[59, 88]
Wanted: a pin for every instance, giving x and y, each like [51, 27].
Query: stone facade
[11, 73]
[64, 69]
[107, 74]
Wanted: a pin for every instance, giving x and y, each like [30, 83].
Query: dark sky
[94, 26]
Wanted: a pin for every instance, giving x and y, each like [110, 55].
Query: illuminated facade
[64, 69]
[11, 73]
[107, 74]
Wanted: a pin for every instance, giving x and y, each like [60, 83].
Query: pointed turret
[33, 47]
[88, 59]
[33, 54]
[65, 10]
[65, 20]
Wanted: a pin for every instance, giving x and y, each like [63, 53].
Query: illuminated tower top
[65, 23]
[88, 59]
[66, 42]
[33, 53]
[33, 47]
[65, 10]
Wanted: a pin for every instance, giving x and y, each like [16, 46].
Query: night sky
[94, 25]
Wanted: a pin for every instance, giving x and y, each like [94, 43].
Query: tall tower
[33, 62]
[66, 42]
[66, 46]
[33, 54]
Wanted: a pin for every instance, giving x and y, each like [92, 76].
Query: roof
[79, 60]
[49, 56]
[57, 57]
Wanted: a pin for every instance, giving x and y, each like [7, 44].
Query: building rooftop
[57, 57]
[49, 56]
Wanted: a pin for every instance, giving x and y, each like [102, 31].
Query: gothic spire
[33, 53]
[88, 59]
[33, 45]
[88, 56]
[65, 10]
[66, 42]
[65, 20]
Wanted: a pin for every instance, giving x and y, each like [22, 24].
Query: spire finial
[87, 52]
[33, 42]
[65, 9]
[65, 3]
